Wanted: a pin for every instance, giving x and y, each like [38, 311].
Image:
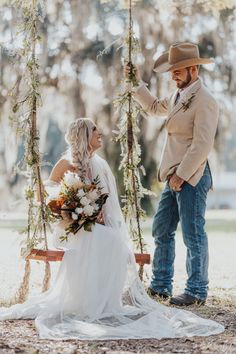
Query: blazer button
[169, 134]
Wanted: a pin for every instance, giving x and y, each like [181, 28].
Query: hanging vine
[128, 138]
[25, 122]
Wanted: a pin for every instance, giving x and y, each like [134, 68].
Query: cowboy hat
[180, 55]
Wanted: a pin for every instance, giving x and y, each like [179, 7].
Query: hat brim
[164, 67]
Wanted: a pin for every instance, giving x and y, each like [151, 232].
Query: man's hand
[136, 72]
[175, 182]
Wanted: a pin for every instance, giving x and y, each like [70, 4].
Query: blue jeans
[187, 206]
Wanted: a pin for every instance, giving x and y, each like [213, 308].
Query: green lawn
[212, 225]
[224, 226]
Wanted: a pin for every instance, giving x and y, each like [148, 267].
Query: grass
[221, 226]
[226, 226]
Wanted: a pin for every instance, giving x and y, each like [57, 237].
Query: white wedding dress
[97, 293]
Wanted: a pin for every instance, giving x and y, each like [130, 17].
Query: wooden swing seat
[56, 256]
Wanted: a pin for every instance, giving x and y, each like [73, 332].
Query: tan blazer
[191, 130]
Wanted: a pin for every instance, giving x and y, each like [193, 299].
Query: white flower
[93, 195]
[88, 210]
[79, 211]
[72, 180]
[74, 216]
[80, 193]
[84, 201]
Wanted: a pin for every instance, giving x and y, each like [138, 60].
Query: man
[191, 122]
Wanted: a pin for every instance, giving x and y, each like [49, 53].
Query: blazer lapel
[179, 105]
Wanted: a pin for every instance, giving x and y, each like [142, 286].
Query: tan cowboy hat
[180, 55]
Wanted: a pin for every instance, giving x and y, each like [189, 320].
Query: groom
[191, 121]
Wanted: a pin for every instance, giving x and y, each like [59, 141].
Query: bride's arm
[59, 170]
[56, 175]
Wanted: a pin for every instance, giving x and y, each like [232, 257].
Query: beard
[183, 84]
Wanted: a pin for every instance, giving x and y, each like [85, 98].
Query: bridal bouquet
[80, 201]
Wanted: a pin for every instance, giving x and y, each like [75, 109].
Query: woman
[97, 293]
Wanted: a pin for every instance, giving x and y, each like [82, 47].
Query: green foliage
[24, 121]
[130, 148]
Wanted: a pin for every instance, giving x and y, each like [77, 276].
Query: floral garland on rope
[25, 123]
[127, 136]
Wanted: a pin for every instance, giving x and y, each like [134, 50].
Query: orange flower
[56, 204]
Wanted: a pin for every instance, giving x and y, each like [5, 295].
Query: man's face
[182, 77]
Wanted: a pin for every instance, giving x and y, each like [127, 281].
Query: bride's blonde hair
[78, 137]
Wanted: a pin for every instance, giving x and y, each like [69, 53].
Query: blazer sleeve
[205, 125]
[151, 104]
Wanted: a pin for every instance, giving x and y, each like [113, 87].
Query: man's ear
[194, 70]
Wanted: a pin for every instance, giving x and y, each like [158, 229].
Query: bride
[97, 293]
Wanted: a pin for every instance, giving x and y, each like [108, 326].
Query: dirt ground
[21, 337]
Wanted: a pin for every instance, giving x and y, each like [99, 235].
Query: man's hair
[198, 67]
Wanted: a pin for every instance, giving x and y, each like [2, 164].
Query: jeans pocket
[206, 182]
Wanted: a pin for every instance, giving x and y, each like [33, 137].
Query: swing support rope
[130, 139]
[35, 231]
[130, 148]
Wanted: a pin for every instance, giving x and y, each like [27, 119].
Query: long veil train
[97, 293]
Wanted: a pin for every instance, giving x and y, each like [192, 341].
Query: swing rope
[33, 163]
[130, 148]
[130, 137]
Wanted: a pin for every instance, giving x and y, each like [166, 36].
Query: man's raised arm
[150, 104]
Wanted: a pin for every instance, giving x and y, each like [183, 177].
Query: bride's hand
[100, 218]
[66, 218]
[66, 215]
